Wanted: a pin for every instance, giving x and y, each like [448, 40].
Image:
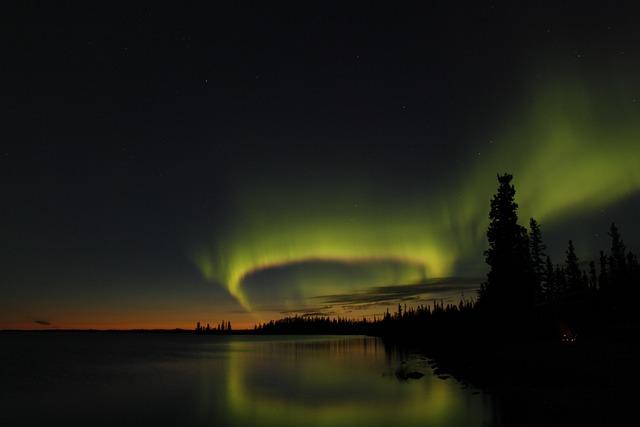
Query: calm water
[184, 380]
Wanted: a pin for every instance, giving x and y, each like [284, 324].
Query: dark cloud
[42, 322]
[311, 311]
[436, 289]
[367, 301]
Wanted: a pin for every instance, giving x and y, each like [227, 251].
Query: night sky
[164, 166]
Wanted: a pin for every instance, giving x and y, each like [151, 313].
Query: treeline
[220, 328]
[303, 325]
[525, 289]
[404, 321]
[525, 294]
[617, 276]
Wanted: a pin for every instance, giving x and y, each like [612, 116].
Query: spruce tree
[537, 249]
[510, 283]
[574, 275]
[603, 279]
[549, 285]
[617, 260]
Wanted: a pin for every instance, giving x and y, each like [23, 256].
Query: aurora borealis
[332, 241]
[245, 164]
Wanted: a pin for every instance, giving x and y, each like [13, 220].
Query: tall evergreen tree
[549, 285]
[574, 275]
[537, 249]
[509, 282]
[617, 260]
[603, 279]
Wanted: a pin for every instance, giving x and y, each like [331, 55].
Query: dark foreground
[129, 379]
[140, 379]
[540, 382]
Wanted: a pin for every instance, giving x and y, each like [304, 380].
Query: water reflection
[107, 379]
[339, 381]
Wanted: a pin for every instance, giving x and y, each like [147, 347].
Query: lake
[65, 378]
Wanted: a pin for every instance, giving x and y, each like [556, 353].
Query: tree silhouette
[603, 279]
[549, 285]
[593, 275]
[510, 283]
[572, 269]
[617, 259]
[537, 249]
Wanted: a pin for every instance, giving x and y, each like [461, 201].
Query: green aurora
[572, 150]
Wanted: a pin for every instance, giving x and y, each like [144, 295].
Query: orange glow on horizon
[105, 326]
